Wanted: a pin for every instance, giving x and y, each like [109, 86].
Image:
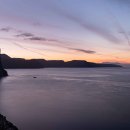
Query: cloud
[32, 37]
[13, 41]
[9, 17]
[75, 49]
[120, 28]
[35, 38]
[123, 32]
[27, 49]
[10, 29]
[87, 25]
[6, 29]
[12, 18]
[83, 50]
[43, 39]
[25, 35]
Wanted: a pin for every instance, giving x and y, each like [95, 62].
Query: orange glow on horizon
[89, 59]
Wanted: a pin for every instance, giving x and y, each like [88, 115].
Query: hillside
[9, 62]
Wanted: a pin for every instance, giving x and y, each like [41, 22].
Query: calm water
[67, 99]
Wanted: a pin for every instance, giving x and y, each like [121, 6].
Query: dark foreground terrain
[6, 125]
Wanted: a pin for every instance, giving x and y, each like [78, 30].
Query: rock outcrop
[3, 73]
[6, 125]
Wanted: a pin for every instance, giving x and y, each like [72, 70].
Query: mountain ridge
[13, 63]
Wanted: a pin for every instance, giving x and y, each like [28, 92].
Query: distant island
[14, 63]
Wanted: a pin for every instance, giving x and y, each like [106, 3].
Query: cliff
[9, 62]
[2, 71]
[6, 125]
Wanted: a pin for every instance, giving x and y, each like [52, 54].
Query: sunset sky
[92, 30]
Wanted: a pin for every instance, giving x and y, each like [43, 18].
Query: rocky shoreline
[6, 125]
[3, 73]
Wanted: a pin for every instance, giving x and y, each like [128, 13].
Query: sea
[67, 98]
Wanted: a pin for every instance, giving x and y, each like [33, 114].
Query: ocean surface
[67, 98]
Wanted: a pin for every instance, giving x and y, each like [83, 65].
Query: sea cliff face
[6, 125]
[3, 73]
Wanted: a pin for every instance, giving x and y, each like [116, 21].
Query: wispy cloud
[27, 49]
[82, 50]
[35, 38]
[6, 29]
[9, 29]
[18, 19]
[30, 36]
[66, 47]
[25, 35]
[74, 49]
[125, 35]
[12, 18]
[106, 34]
[119, 27]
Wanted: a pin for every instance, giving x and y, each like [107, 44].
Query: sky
[91, 30]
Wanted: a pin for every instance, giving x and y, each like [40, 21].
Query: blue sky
[93, 30]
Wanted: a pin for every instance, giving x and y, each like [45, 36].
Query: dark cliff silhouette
[3, 72]
[9, 62]
[6, 125]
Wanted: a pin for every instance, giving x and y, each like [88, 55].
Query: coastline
[6, 125]
[3, 73]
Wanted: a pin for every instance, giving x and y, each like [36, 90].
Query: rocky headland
[3, 73]
[6, 125]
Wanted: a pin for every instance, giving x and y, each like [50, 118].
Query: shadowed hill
[9, 62]
[3, 72]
